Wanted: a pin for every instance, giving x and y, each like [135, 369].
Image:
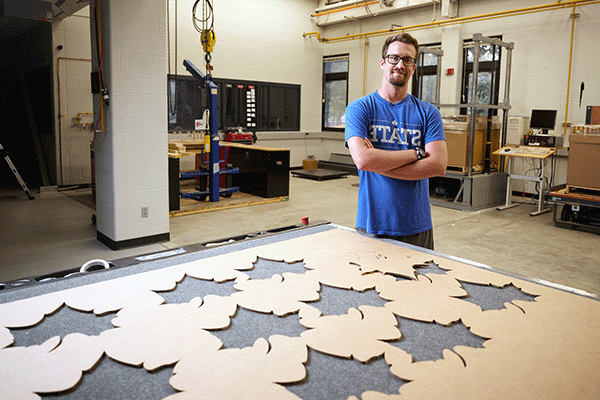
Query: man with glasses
[397, 142]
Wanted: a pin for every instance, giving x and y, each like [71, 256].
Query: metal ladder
[4, 154]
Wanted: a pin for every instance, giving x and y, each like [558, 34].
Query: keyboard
[540, 151]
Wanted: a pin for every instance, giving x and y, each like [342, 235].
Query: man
[397, 142]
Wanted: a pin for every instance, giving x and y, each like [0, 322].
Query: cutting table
[317, 311]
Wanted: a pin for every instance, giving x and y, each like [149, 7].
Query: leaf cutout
[162, 335]
[129, 291]
[50, 367]
[279, 295]
[355, 334]
[431, 298]
[248, 373]
[222, 268]
[26, 312]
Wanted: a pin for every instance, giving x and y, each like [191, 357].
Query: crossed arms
[400, 164]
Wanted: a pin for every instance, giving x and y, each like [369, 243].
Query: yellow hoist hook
[208, 40]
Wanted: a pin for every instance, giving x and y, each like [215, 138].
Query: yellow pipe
[455, 21]
[79, 119]
[318, 14]
[101, 116]
[569, 77]
[317, 34]
[365, 69]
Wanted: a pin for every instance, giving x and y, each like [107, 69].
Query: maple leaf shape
[113, 295]
[393, 260]
[222, 268]
[53, 366]
[429, 299]
[164, 334]
[248, 373]
[279, 295]
[344, 274]
[358, 334]
[26, 312]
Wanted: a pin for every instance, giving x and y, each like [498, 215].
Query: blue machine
[214, 170]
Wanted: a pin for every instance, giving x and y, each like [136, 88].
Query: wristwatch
[420, 153]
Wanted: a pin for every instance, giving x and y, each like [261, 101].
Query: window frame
[493, 67]
[424, 70]
[330, 77]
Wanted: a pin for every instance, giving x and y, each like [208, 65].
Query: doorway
[26, 102]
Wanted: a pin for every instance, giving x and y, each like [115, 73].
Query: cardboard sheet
[545, 347]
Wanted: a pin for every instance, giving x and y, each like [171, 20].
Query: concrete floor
[54, 232]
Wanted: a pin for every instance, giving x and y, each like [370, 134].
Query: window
[261, 106]
[424, 84]
[335, 92]
[232, 105]
[185, 98]
[488, 78]
[284, 103]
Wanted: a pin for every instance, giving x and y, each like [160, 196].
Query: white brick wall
[132, 152]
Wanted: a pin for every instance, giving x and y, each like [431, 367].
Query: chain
[176, 33]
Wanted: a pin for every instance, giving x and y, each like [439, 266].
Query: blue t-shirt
[388, 206]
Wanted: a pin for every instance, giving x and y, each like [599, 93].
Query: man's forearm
[417, 170]
[382, 161]
[368, 158]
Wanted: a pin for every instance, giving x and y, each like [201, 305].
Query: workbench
[532, 153]
[317, 311]
[257, 170]
[264, 171]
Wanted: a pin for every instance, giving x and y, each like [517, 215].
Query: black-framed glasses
[394, 60]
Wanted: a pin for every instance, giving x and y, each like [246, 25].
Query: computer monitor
[543, 119]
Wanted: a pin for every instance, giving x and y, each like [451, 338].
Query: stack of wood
[178, 148]
[593, 129]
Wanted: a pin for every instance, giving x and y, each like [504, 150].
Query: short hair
[400, 37]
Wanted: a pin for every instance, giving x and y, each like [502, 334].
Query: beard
[399, 78]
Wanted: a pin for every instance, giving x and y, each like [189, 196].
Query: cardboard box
[583, 169]
[592, 115]
[310, 164]
[458, 148]
[456, 129]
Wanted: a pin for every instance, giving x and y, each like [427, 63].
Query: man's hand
[368, 158]
[433, 164]
[399, 164]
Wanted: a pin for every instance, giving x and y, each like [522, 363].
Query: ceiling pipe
[320, 13]
[456, 21]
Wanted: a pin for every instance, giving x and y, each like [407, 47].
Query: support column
[131, 151]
